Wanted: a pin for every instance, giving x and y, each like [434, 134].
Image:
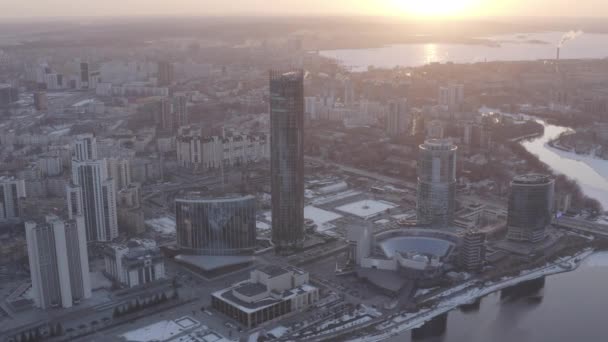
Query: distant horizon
[302, 8]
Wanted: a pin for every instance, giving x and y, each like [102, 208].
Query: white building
[196, 151]
[11, 191]
[92, 193]
[133, 266]
[271, 292]
[85, 147]
[59, 263]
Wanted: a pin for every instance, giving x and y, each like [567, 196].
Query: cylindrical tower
[436, 182]
[530, 207]
[216, 226]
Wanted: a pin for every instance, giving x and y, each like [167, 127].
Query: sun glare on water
[435, 8]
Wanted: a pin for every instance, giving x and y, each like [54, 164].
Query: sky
[406, 8]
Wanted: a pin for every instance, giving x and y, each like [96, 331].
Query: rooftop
[273, 270]
[251, 289]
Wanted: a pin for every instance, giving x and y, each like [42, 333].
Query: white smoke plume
[568, 36]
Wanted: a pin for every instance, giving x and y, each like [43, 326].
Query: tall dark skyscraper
[287, 158]
[530, 207]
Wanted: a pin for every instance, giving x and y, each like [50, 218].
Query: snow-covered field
[366, 208]
[162, 225]
[161, 331]
[321, 217]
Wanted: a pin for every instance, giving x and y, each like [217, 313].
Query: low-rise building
[271, 292]
[134, 264]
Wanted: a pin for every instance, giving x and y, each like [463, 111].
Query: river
[565, 307]
[512, 47]
[591, 173]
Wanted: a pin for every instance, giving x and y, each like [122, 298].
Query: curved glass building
[216, 226]
[436, 183]
[530, 207]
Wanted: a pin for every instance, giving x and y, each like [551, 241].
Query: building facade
[472, 254]
[134, 266]
[436, 183]
[59, 264]
[216, 226]
[397, 119]
[11, 192]
[530, 207]
[92, 193]
[203, 153]
[287, 158]
[271, 292]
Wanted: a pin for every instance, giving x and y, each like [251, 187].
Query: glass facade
[219, 226]
[287, 158]
[436, 183]
[530, 207]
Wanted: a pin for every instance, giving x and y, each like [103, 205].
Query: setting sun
[435, 8]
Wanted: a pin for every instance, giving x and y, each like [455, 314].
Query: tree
[59, 329]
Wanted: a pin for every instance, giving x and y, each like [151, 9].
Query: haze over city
[409, 8]
[265, 170]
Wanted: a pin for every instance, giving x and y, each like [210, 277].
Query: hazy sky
[454, 8]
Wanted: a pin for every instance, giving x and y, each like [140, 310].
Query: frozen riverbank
[468, 293]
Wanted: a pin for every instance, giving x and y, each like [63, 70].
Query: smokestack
[557, 58]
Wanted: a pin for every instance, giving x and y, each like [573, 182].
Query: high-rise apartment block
[397, 119]
[11, 192]
[92, 193]
[59, 264]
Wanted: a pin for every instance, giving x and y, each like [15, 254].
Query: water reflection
[433, 330]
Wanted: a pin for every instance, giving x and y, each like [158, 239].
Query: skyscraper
[165, 73]
[85, 147]
[11, 191]
[58, 258]
[287, 158]
[436, 183]
[530, 207]
[92, 193]
[398, 121]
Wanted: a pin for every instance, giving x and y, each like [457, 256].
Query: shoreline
[468, 292]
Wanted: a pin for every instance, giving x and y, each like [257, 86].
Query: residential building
[59, 264]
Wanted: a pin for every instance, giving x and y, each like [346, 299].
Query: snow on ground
[366, 208]
[160, 331]
[262, 225]
[267, 216]
[321, 217]
[163, 225]
[278, 331]
[468, 294]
